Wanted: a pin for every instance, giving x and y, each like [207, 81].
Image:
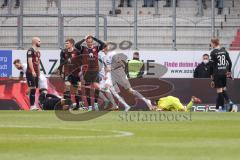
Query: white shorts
[43, 82]
[108, 81]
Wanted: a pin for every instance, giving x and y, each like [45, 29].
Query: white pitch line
[116, 135]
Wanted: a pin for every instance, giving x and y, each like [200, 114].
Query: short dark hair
[16, 61]
[70, 40]
[205, 55]
[136, 53]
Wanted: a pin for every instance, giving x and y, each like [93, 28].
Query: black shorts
[32, 81]
[220, 81]
[91, 77]
[72, 79]
[52, 104]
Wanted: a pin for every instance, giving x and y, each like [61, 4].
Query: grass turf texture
[41, 136]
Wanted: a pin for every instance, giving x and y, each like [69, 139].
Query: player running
[116, 63]
[33, 70]
[90, 68]
[220, 70]
[105, 83]
[171, 103]
[70, 66]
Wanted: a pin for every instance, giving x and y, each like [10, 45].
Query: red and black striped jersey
[90, 58]
[35, 55]
[71, 62]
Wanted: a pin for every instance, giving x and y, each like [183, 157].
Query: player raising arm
[90, 68]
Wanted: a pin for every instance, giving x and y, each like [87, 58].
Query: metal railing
[159, 27]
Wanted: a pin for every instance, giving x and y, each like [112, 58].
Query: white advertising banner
[180, 64]
[50, 60]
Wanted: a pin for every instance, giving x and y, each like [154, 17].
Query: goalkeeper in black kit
[220, 70]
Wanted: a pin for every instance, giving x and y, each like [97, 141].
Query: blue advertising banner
[5, 63]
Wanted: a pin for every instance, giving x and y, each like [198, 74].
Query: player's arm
[211, 63]
[79, 53]
[229, 62]
[230, 65]
[30, 63]
[62, 61]
[78, 45]
[100, 43]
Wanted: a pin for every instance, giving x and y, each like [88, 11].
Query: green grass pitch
[117, 136]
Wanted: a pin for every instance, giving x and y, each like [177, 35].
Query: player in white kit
[106, 85]
[115, 63]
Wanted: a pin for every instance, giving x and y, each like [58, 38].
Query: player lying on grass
[53, 102]
[171, 103]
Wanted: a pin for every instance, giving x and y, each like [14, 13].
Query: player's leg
[119, 77]
[32, 90]
[93, 78]
[219, 85]
[67, 91]
[193, 101]
[220, 98]
[140, 96]
[119, 98]
[96, 88]
[41, 99]
[225, 95]
[77, 92]
[177, 105]
[111, 99]
[87, 87]
[229, 105]
[87, 93]
[104, 98]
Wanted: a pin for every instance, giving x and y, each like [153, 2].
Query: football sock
[220, 100]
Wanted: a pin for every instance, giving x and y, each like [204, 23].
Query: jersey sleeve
[62, 58]
[78, 45]
[229, 61]
[211, 62]
[29, 54]
[100, 43]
